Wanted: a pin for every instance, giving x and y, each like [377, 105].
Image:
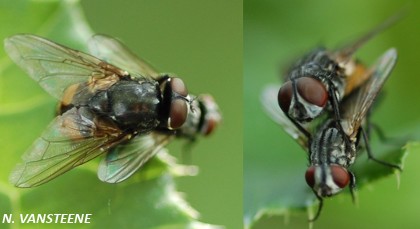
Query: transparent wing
[271, 107]
[70, 140]
[358, 104]
[125, 159]
[54, 66]
[345, 52]
[114, 52]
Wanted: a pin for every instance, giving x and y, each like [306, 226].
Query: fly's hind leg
[372, 157]
[383, 138]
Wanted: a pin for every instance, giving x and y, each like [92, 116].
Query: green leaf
[147, 200]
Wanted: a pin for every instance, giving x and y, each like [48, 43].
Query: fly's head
[327, 180]
[329, 160]
[303, 98]
[203, 117]
[211, 116]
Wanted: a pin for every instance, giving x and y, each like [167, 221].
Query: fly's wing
[69, 141]
[356, 107]
[125, 159]
[345, 53]
[113, 51]
[56, 67]
[271, 107]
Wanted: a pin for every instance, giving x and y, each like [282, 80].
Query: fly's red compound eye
[178, 113]
[340, 176]
[179, 110]
[285, 96]
[312, 90]
[310, 176]
[178, 86]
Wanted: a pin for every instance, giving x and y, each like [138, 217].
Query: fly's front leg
[337, 117]
[318, 212]
[300, 127]
[352, 187]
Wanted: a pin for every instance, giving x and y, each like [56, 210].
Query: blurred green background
[277, 32]
[200, 41]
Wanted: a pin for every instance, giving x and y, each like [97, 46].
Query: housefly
[204, 115]
[120, 106]
[322, 78]
[328, 153]
[123, 160]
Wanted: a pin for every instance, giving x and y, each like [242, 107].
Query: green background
[277, 32]
[200, 41]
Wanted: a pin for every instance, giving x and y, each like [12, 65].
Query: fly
[322, 78]
[118, 106]
[328, 153]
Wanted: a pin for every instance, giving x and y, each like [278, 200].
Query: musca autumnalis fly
[113, 103]
[328, 153]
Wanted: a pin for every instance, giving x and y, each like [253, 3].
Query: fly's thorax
[318, 55]
[131, 104]
[329, 147]
[335, 79]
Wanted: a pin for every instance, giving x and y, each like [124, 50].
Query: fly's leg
[381, 135]
[318, 212]
[379, 132]
[300, 127]
[186, 152]
[370, 155]
[370, 125]
[335, 106]
[352, 187]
